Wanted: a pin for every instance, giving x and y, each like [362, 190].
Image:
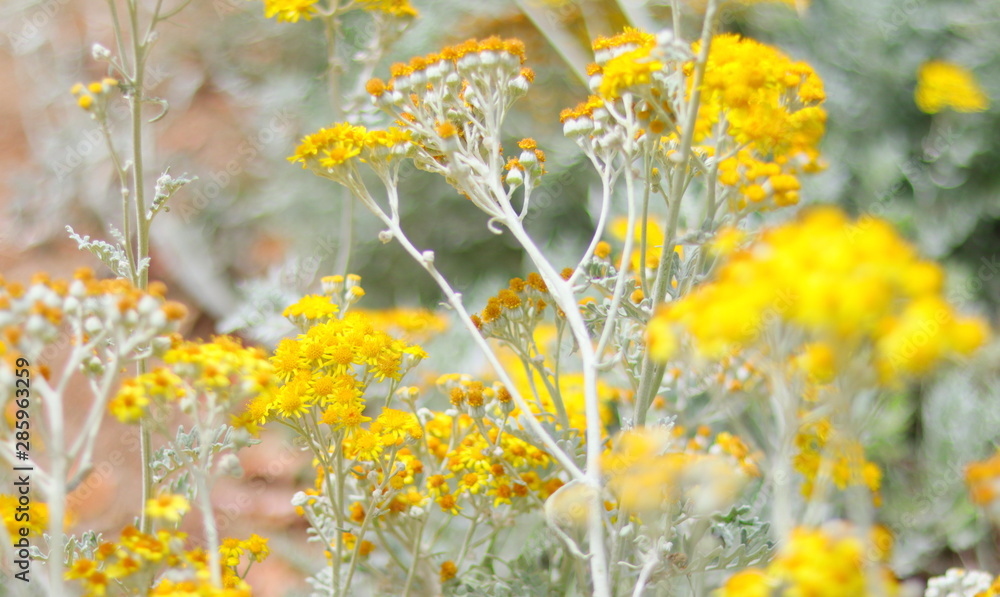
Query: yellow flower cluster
[223, 368]
[625, 62]
[138, 556]
[350, 542]
[94, 96]
[84, 309]
[820, 447]
[467, 468]
[648, 470]
[942, 85]
[290, 11]
[30, 514]
[758, 118]
[847, 284]
[254, 548]
[339, 293]
[493, 469]
[312, 308]
[330, 151]
[329, 368]
[391, 428]
[768, 108]
[629, 70]
[515, 308]
[820, 563]
[396, 8]
[768, 100]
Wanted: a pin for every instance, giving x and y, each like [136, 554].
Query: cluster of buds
[108, 316]
[466, 80]
[637, 81]
[763, 182]
[343, 291]
[514, 310]
[453, 102]
[473, 397]
[94, 96]
[530, 164]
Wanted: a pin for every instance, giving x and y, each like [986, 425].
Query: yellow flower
[286, 359]
[147, 547]
[312, 307]
[168, 506]
[256, 546]
[330, 148]
[81, 568]
[290, 11]
[448, 571]
[943, 85]
[396, 8]
[629, 38]
[291, 401]
[818, 361]
[846, 284]
[96, 583]
[345, 416]
[449, 504]
[231, 550]
[983, 479]
[629, 70]
[130, 404]
[749, 583]
[396, 426]
[661, 339]
[816, 562]
[365, 446]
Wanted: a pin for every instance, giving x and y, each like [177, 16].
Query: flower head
[942, 85]
[628, 70]
[290, 11]
[168, 506]
[396, 8]
[843, 284]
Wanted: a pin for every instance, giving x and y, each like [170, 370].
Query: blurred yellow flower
[396, 8]
[828, 562]
[168, 506]
[290, 11]
[844, 284]
[943, 85]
